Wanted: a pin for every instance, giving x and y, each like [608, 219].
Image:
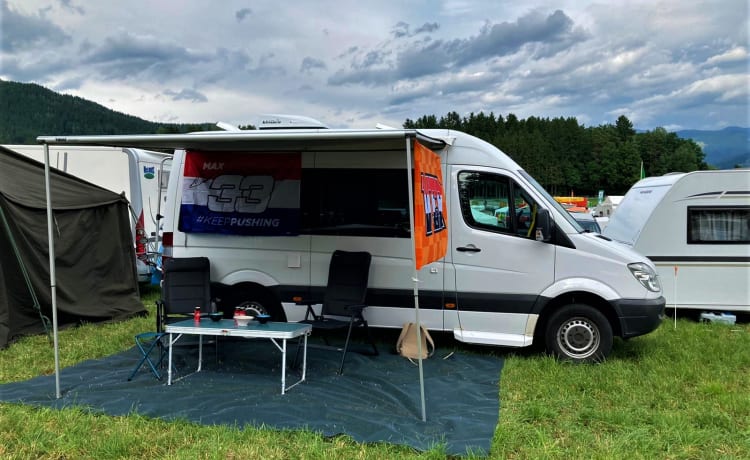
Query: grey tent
[94, 254]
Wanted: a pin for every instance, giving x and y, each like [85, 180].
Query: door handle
[469, 248]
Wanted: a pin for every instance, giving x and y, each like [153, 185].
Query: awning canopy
[260, 140]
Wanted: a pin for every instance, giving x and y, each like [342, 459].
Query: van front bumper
[639, 316]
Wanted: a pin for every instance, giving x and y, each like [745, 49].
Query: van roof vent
[276, 121]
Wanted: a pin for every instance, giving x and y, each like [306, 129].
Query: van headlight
[646, 276]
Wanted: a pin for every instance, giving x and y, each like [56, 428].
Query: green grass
[679, 393]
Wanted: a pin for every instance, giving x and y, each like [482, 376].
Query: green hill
[28, 110]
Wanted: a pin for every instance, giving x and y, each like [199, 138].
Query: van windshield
[560, 210]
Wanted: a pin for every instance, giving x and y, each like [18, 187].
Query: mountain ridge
[28, 110]
[724, 148]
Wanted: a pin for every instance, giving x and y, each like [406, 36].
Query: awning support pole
[415, 278]
[52, 276]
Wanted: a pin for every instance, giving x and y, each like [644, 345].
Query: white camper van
[696, 228]
[518, 269]
[141, 175]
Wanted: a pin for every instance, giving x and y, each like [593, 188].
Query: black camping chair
[344, 300]
[186, 285]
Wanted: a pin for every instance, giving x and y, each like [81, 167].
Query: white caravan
[696, 228]
[141, 175]
[525, 274]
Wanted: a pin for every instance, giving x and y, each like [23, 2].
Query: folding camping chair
[186, 285]
[344, 299]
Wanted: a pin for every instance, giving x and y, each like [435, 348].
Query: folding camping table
[274, 331]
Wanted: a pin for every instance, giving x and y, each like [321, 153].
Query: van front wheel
[579, 333]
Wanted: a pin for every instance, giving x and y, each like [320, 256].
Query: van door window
[495, 203]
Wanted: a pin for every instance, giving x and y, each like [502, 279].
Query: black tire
[579, 333]
[254, 308]
[262, 303]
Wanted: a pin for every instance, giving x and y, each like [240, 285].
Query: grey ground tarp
[95, 257]
[375, 400]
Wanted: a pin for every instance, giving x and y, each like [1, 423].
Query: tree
[624, 128]
[451, 121]
[424, 122]
[684, 159]
[564, 156]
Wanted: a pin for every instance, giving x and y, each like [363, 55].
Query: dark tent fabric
[95, 269]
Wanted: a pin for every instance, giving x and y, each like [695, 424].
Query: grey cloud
[130, 47]
[217, 68]
[471, 84]
[43, 11]
[406, 97]
[401, 29]
[233, 58]
[309, 64]
[427, 27]
[366, 77]
[22, 32]
[351, 50]
[507, 38]
[126, 56]
[38, 71]
[371, 59]
[431, 59]
[267, 68]
[457, 86]
[545, 35]
[68, 5]
[186, 94]
[74, 82]
[240, 15]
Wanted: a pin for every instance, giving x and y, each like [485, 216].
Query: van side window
[495, 203]
[718, 225]
[361, 202]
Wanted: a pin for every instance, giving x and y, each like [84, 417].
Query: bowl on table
[216, 316]
[242, 320]
[263, 319]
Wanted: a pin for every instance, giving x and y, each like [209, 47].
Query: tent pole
[53, 288]
[415, 278]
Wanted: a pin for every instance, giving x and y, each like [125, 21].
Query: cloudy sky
[672, 63]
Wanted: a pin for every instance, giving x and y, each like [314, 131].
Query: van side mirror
[543, 231]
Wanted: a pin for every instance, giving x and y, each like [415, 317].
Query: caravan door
[500, 267]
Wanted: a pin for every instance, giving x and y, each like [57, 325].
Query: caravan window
[723, 225]
[355, 202]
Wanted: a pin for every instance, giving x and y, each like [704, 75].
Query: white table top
[227, 327]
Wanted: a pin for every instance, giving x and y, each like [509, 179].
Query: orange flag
[430, 216]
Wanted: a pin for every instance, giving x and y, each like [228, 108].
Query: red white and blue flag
[239, 193]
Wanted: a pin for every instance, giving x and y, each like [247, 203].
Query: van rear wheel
[579, 333]
[257, 301]
[253, 308]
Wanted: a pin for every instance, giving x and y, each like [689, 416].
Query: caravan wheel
[579, 333]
